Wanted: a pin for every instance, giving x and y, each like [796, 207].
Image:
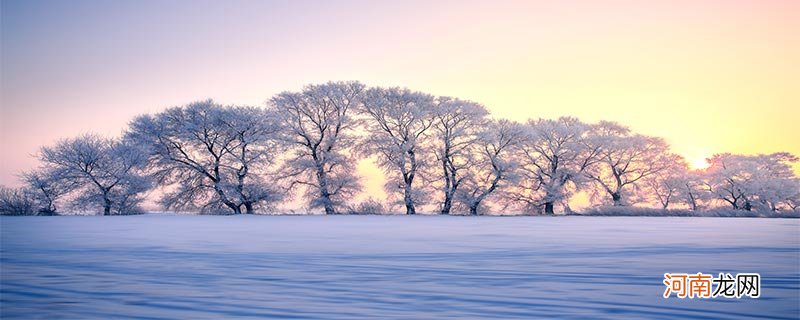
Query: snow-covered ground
[350, 267]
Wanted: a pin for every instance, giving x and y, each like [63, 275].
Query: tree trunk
[106, 205]
[448, 197]
[410, 209]
[473, 209]
[249, 207]
[617, 199]
[409, 200]
[329, 207]
[236, 208]
[548, 207]
[408, 178]
[450, 192]
[448, 204]
[322, 180]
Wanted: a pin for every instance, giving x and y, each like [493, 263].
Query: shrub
[652, 212]
[369, 206]
[17, 202]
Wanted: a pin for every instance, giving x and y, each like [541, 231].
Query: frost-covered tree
[793, 201]
[692, 190]
[17, 202]
[47, 185]
[729, 178]
[624, 159]
[779, 184]
[455, 127]
[553, 155]
[775, 193]
[397, 121]
[666, 186]
[491, 162]
[319, 123]
[104, 173]
[745, 182]
[211, 156]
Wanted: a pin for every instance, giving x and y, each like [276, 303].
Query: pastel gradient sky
[709, 76]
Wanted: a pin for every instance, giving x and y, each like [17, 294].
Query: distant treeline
[440, 153]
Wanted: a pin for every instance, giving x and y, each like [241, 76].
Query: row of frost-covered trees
[439, 153]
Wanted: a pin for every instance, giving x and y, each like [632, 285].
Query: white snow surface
[387, 267]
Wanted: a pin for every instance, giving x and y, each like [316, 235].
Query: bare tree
[491, 162]
[625, 159]
[213, 156]
[455, 127]
[319, 124]
[397, 121]
[104, 172]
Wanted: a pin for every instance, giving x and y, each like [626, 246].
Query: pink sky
[709, 77]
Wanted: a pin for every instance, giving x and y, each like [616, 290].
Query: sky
[708, 76]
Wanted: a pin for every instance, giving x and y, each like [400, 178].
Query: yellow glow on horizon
[698, 164]
[707, 76]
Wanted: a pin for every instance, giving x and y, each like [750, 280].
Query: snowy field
[388, 267]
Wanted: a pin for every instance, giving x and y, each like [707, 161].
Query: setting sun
[698, 164]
